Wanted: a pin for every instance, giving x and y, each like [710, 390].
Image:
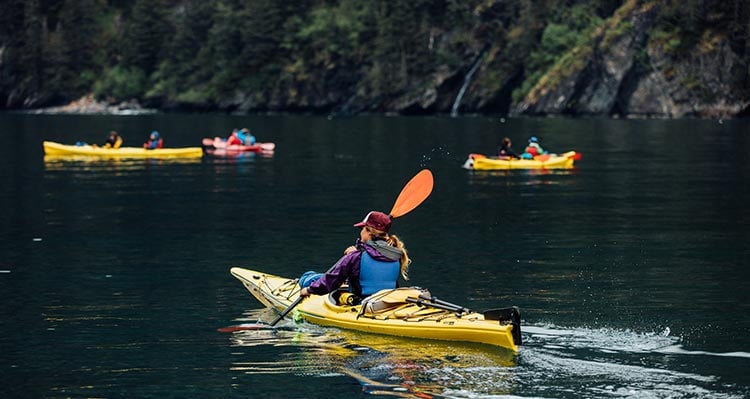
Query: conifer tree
[220, 59]
[182, 66]
[146, 35]
[32, 54]
[78, 34]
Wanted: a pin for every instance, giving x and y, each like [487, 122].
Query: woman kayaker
[504, 151]
[372, 264]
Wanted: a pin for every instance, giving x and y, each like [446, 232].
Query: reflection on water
[82, 163]
[382, 364]
[603, 362]
[86, 163]
[237, 155]
[519, 177]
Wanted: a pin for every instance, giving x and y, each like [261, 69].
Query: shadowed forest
[580, 57]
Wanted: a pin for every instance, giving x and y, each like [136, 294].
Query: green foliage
[193, 96]
[32, 58]
[184, 67]
[556, 40]
[401, 50]
[616, 32]
[219, 60]
[334, 32]
[78, 30]
[203, 51]
[146, 34]
[680, 25]
[573, 29]
[121, 83]
[669, 41]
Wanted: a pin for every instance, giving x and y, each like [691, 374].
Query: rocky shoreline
[88, 105]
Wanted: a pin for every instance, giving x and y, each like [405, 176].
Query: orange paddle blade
[413, 194]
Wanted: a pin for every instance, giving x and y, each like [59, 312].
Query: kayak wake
[679, 350]
[609, 363]
[603, 340]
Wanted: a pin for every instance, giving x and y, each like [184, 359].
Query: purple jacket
[347, 268]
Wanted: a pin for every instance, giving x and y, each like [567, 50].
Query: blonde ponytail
[393, 241]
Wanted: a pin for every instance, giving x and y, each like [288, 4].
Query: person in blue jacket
[154, 141]
[533, 149]
[374, 263]
[246, 137]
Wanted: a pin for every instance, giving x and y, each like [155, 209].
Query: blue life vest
[242, 137]
[375, 275]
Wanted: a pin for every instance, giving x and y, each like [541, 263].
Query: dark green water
[631, 269]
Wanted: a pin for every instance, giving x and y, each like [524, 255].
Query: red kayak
[221, 144]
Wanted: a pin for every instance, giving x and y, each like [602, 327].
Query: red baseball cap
[377, 220]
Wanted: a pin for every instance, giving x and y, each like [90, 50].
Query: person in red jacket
[534, 148]
[234, 138]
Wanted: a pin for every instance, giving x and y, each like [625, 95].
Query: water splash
[601, 339]
[435, 154]
[616, 363]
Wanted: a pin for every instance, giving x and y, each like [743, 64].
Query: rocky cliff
[622, 70]
[630, 73]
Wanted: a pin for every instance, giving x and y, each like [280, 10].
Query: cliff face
[593, 77]
[630, 75]
[621, 71]
[707, 83]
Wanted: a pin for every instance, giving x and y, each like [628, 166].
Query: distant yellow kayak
[406, 312]
[483, 162]
[57, 149]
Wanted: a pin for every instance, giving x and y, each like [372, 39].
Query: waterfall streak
[467, 81]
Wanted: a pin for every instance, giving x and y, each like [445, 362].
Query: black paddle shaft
[287, 310]
[453, 306]
[422, 302]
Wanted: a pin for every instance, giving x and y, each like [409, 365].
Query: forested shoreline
[605, 58]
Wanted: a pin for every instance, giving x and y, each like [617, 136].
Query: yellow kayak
[407, 312]
[57, 149]
[562, 161]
